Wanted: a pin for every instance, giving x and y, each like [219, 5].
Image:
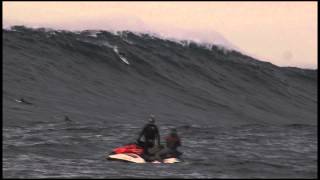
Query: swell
[82, 68]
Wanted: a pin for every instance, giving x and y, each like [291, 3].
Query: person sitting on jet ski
[151, 134]
[172, 143]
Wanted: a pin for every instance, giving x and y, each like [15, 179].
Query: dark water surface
[78, 150]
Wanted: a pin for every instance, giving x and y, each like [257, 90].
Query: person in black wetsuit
[66, 118]
[151, 135]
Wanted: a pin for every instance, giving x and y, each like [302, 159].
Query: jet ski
[134, 153]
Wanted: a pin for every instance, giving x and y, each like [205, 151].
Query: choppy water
[78, 150]
[238, 117]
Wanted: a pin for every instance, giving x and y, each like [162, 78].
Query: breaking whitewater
[237, 117]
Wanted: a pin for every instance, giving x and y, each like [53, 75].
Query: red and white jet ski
[133, 153]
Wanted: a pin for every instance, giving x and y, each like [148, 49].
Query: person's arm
[158, 136]
[141, 133]
[179, 142]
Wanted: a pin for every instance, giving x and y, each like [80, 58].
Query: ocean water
[68, 150]
[237, 117]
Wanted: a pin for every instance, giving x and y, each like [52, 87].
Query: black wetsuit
[151, 134]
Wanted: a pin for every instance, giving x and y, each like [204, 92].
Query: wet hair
[173, 132]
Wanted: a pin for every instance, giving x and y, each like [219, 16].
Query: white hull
[130, 157]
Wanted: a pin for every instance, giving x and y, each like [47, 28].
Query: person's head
[173, 131]
[151, 119]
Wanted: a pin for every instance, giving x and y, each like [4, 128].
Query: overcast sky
[283, 33]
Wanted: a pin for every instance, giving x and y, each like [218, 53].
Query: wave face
[257, 120]
[99, 75]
